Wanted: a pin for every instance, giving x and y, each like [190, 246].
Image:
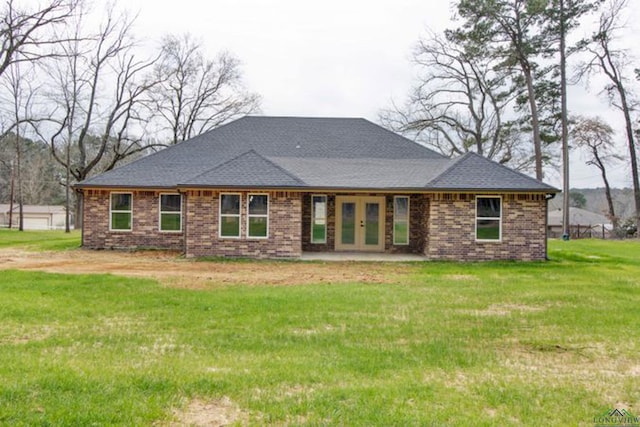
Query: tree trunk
[77, 219]
[607, 193]
[632, 154]
[11, 196]
[535, 125]
[19, 180]
[565, 134]
[67, 207]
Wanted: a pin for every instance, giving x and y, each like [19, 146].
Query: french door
[360, 223]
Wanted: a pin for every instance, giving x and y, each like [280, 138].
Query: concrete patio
[360, 256]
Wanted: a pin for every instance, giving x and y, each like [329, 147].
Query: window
[258, 216]
[170, 212]
[401, 220]
[229, 215]
[121, 211]
[488, 218]
[318, 219]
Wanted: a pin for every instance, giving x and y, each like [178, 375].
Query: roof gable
[474, 172]
[247, 169]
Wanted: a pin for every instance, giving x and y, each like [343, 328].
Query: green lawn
[553, 343]
[39, 240]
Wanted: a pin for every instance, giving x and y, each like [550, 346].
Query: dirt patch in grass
[173, 271]
[590, 367]
[504, 310]
[216, 413]
[10, 334]
[460, 277]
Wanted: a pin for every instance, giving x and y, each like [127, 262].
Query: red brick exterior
[442, 226]
[285, 216]
[145, 230]
[452, 229]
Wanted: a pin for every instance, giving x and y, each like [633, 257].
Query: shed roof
[577, 216]
[33, 209]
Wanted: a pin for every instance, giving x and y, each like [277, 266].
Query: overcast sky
[346, 58]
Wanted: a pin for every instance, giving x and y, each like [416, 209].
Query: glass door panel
[348, 229]
[372, 223]
[360, 223]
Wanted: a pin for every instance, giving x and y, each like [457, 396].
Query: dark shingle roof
[296, 152]
[248, 169]
[363, 173]
[473, 172]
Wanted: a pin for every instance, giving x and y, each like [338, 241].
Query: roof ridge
[454, 162]
[219, 165]
[286, 172]
[251, 151]
[267, 116]
[510, 169]
[405, 138]
[196, 139]
[471, 154]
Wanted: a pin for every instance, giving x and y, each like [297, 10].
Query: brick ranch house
[278, 186]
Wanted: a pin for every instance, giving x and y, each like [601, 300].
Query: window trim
[249, 216]
[313, 217]
[408, 220]
[221, 215]
[160, 212]
[499, 219]
[111, 211]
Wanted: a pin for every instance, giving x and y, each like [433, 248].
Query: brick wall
[418, 211]
[145, 228]
[441, 226]
[285, 215]
[452, 229]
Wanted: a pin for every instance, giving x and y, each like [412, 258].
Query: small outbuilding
[583, 223]
[35, 217]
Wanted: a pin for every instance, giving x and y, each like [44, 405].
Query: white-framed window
[121, 212]
[318, 218]
[401, 220]
[229, 224]
[170, 213]
[489, 218]
[258, 216]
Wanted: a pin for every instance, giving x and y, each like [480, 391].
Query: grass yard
[555, 343]
[39, 240]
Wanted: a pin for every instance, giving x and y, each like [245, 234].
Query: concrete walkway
[360, 256]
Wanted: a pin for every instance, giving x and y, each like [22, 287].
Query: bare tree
[613, 63]
[97, 88]
[196, 94]
[458, 105]
[596, 137]
[27, 35]
[17, 96]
